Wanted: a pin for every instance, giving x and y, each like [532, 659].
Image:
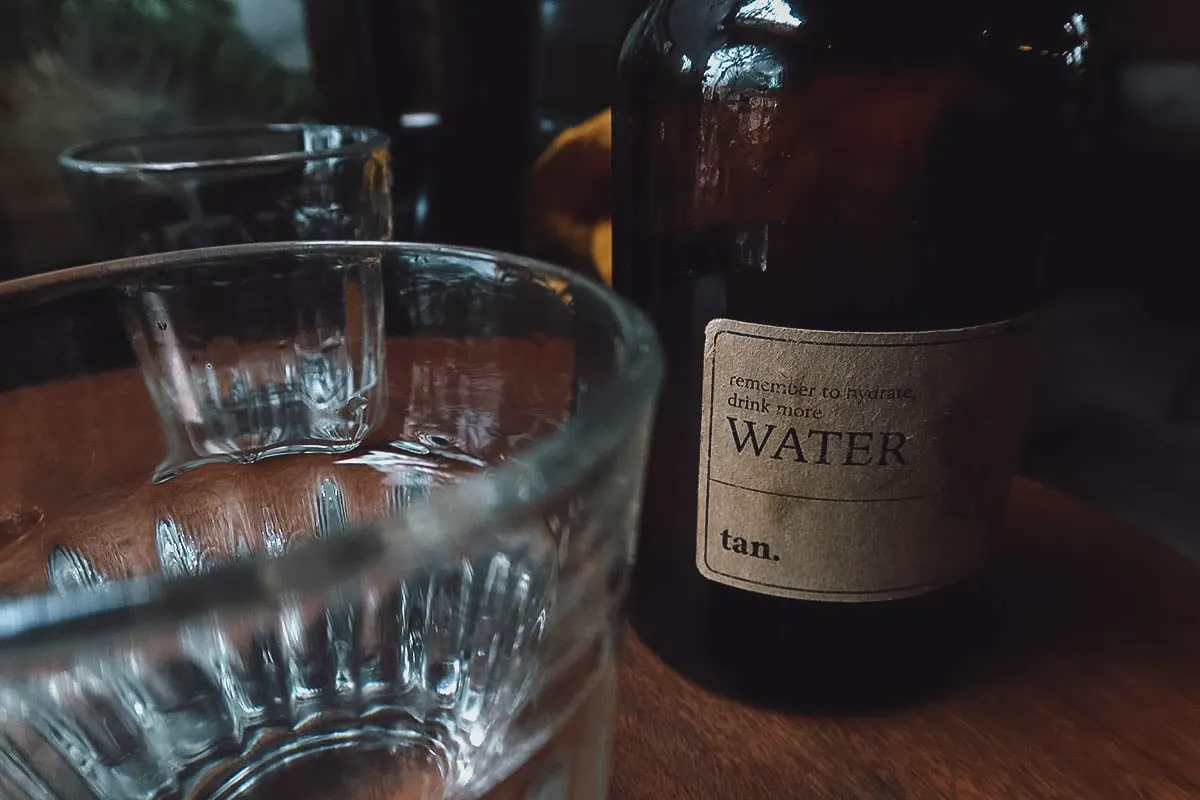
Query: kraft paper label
[855, 467]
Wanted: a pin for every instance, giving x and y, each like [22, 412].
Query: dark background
[1117, 420]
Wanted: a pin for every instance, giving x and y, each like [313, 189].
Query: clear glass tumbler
[223, 186]
[429, 607]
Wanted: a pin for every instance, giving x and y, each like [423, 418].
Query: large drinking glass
[225, 186]
[386, 557]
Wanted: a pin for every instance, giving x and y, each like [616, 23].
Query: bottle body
[836, 213]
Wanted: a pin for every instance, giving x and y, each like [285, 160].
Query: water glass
[396, 571]
[224, 186]
[251, 358]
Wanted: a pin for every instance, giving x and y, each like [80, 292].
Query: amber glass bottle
[836, 212]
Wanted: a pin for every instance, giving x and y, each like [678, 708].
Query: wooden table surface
[1096, 695]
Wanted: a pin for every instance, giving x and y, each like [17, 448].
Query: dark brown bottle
[836, 212]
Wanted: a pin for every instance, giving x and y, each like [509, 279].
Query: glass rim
[87, 157]
[35, 628]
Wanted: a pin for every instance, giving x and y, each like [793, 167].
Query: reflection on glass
[779, 15]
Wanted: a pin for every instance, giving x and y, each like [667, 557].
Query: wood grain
[1096, 696]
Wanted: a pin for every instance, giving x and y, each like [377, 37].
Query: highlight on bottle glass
[389, 553]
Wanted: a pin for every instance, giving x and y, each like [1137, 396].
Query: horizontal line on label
[871, 345]
[827, 499]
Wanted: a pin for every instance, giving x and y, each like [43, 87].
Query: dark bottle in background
[837, 214]
[470, 92]
[450, 82]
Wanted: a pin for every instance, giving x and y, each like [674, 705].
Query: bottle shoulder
[705, 44]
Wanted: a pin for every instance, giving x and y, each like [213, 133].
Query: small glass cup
[260, 357]
[224, 186]
[433, 613]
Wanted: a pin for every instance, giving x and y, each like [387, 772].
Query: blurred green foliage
[191, 50]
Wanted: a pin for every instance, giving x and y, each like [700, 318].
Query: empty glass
[224, 186]
[267, 357]
[400, 576]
